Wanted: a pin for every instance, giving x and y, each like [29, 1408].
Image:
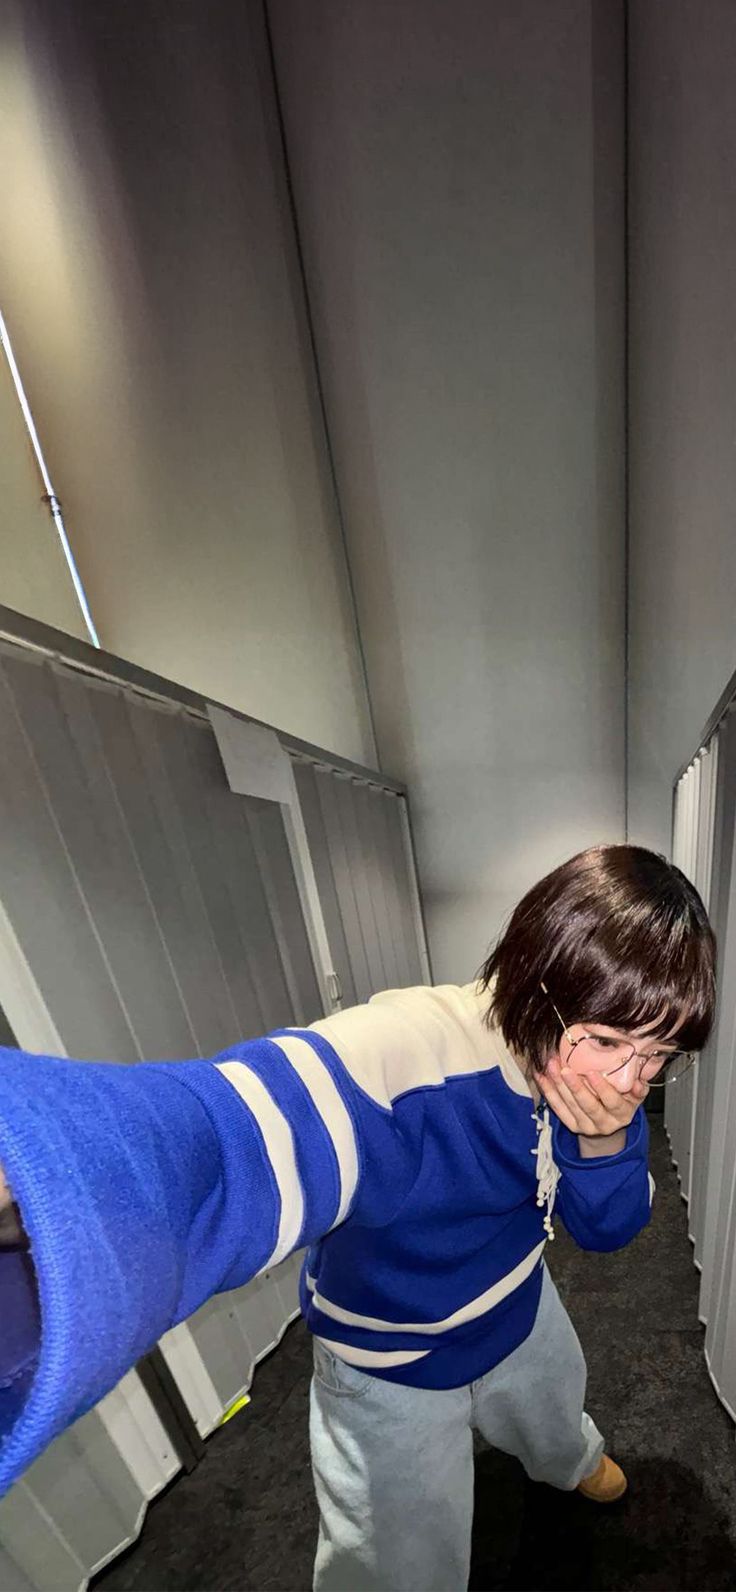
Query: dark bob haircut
[620, 937]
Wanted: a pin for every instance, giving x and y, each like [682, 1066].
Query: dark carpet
[245, 1521]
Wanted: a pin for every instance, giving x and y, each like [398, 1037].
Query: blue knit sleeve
[146, 1189]
[606, 1200]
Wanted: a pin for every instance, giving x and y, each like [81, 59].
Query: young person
[417, 1145]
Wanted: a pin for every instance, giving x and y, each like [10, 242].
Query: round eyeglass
[673, 1066]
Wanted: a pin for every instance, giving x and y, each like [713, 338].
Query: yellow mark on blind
[233, 1410]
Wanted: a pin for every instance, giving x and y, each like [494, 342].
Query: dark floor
[245, 1521]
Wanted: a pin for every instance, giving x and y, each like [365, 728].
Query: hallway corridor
[244, 1523]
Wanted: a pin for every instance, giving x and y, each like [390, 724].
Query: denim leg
[531, 1404]
[393, 1473]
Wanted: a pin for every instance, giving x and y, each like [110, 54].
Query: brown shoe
[605, 1484]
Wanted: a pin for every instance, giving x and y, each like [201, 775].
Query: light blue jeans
[393, 1465]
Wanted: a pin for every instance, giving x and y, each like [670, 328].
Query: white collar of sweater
[548, 1173]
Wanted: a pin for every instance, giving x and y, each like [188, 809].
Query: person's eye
[604, 1042]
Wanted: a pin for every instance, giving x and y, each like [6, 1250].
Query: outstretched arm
[144, 1190]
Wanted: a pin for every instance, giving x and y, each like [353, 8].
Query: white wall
[458, 170]
[683, 389]
[149, 280]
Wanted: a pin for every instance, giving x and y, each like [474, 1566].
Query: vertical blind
[700, 1111]
[692, 851]
[357, 838]
[133, 877]
[158, 916]
[155, 914]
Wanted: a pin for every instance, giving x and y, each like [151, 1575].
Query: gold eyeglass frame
[651, 1083]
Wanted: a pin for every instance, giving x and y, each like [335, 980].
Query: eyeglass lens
[656, 1071]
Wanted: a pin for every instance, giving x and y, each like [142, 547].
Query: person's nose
[625, 1077]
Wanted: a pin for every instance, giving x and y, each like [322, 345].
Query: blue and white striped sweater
[396, 1140]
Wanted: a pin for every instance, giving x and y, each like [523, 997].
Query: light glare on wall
[50, 495]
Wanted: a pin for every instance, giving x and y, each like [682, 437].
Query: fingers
[611, 1097]
[574, 1089]
[589, 1104]
[592, 1086]
[565, 1105]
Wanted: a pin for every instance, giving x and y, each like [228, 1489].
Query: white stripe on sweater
[469, 1312]
[652, 1187]
[279, 1142]
[329, 1104]
[404, 1039]
[374, 1359]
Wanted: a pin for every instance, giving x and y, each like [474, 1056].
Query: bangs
[663, 980]
[622, 1003]
[619, 936]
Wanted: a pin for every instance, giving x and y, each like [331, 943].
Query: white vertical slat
[719, 1153]
[673, 1095]
[720, 1337]
[713, 765]
[680, 856]
[680, 1128]
[694, 810]
[307, 778]
[686, 1087]
[706, 1064]
[702, 871]
[718, 1284]
[413, 882]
